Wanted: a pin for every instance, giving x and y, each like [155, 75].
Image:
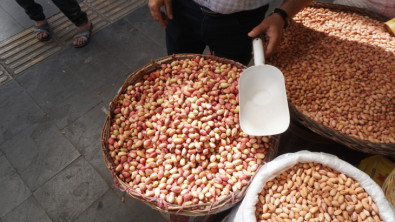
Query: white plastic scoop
[262, 97]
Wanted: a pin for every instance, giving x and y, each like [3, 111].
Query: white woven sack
[245, 211]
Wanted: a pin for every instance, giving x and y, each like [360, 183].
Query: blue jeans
[70, 8]
[191, 30]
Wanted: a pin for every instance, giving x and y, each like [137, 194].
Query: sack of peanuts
[307, 186]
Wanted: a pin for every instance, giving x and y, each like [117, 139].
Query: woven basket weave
[389, 187]
[349, 141]
[190, 210]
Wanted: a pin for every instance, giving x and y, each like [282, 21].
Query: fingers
[258, 29]
[157, 14]
[164, 20]
[274, 41]
[169, 9]
[272, 27]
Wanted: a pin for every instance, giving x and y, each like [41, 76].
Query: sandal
[85, 35]
[38, 29]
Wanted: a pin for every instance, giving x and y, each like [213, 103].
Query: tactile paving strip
[115, 9]
[23, 50]
[4, 77]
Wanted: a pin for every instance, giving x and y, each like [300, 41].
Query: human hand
[272, 27]
[157, 14]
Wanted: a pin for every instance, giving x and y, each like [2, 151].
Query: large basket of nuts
[307, 186]
[338, 63]
[172, 137]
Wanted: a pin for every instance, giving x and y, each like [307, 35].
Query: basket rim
[349, 141]
[389, 187]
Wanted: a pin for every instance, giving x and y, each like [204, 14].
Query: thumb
[257, 30]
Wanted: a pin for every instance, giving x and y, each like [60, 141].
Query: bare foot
[80, 41]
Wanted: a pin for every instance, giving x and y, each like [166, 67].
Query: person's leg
[227, 36]
[72, 10]
[32, 9]
[183, 31]
[35, 13]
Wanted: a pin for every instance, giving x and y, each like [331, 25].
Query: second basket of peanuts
[308, 186]
[338, 65]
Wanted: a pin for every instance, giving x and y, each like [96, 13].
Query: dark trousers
[191, 30]
[70, 8]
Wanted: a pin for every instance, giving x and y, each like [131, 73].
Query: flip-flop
[84, 34]
[42, 29]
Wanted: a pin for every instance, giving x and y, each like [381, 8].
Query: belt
[209, 12]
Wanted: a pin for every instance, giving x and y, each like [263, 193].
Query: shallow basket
[349, 141]
[190, 210]
[389, 187]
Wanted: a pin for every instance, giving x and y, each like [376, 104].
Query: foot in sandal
[41, 29]
[84, 33]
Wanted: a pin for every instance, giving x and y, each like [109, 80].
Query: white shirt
[231, 6]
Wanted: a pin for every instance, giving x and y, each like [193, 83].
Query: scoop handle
[259, 57]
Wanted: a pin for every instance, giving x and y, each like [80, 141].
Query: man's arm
[273, 25]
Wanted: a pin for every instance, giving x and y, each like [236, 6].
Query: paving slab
[84, 133]
[110, 93]
[94, 67]
[71, 192]
[141, 19]
[110, 208]
[16, 12]
[131, 46]
[4, 75]
[58, 92]
[147, 212]
[13, 190]
[17, 110]
[9, 26]
[39, 152]
[29, 210]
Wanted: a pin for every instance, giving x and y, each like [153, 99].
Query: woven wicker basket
[349, 141]
[389, 187]
[190, 210]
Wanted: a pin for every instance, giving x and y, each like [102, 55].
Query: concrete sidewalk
[52, 106]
